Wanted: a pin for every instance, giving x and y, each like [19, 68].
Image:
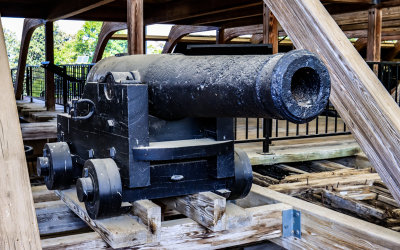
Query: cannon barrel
[294, 86]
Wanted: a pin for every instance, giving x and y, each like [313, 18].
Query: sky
[72, 27]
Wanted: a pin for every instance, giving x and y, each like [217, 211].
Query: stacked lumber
[352, 188]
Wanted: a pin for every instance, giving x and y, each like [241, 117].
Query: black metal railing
[34, 82]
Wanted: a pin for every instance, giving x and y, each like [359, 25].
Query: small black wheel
[100, 188]
[243, 176]
[56, 166]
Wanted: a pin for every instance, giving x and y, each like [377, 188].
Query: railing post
[65, 90]
[27, 87]
[267, 133]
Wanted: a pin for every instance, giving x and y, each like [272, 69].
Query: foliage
[154, 47]
[36, 50]
[67, 48]
[12, 47]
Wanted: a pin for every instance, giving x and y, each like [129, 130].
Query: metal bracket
[291, 223]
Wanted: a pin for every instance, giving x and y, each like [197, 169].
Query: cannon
[158, 126]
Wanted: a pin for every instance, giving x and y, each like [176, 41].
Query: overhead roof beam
[70, 8]
[350, 1]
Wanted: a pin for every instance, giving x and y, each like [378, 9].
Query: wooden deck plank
[39, 130]
[318, 150]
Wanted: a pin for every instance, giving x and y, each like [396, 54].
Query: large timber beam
[18, 225]
[107, 31]
[69, 8]
[361, 100]
[29, 27]
[135, 27]
[178, 31]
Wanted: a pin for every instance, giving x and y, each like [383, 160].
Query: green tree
[36, 54]
[86, 40]
[12, 47]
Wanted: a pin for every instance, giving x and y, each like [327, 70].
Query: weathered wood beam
[174, 11]
[270, 29]
[349, 1]
[374, 35]
[55, 217]
[324, 227]
[244, 30]
[69, 8]
[393, 52]
[49, 51]
[206, 208]
[135, 27]
[360, 44]
[18, 225]
[388, 4]
[361, 100]
[29, 27]
[108, 29]
[178, 31]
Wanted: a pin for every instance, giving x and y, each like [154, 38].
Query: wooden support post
[361, 100]
[29, 27]
[150, 214]
[374, 35]
[50, 86]
[270, 29]
[135, 27]
[18, 225]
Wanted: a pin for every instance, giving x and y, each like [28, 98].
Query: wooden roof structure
[231, 13]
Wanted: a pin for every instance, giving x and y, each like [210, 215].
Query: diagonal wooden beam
[179, 31]
[18, 224]
[29, 27]
[361, 100]
[69, 8]
[108, 29]
[360, 44]
[391, 55]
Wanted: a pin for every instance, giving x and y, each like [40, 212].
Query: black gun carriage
[157, 126]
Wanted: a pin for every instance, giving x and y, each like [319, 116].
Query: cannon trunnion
[157, 126]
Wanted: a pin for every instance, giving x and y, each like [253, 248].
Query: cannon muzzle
[294, 86]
